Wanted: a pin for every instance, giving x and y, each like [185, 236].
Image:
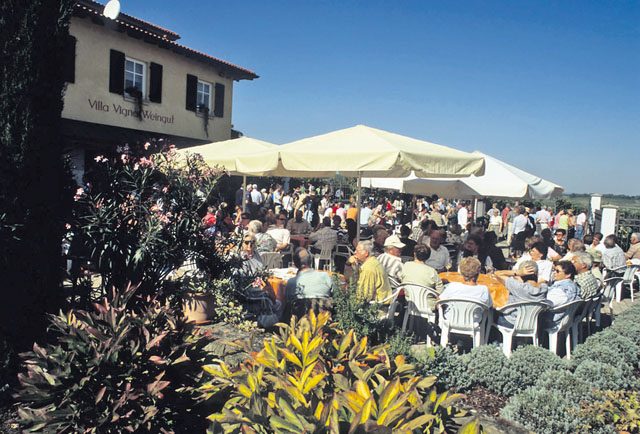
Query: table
[499, 293]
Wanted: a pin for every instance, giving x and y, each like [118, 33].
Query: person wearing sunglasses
[563, 290]
[252, 264]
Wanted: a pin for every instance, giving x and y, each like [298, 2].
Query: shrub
[573, 388]
[629, 328]
[487, 367]
[526, 365]
[352, 313]
[614, 409]
[595, 347]
[112, 371]
[314, 378]
[449, 368]
[606, 377]
[545, 411]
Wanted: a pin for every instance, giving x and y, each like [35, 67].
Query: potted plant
[198, 298]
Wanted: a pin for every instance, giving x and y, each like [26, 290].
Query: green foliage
[545, 411]
[629, 327]
[314, 378]
[606, 377]
[142, 217]
[487, 366]
[572, 387]
[607, 347]
[526, 365]
[352, 313]
[113, 370]
[445, 364]
[620, 409]
[399, 344]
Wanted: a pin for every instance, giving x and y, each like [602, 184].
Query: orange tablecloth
[278, 285]
[499, 294]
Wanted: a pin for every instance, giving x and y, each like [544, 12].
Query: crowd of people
[544, 256]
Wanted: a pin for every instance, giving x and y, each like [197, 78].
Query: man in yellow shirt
[352, 212]
[373, 284]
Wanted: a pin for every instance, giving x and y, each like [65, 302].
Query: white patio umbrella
[500, 180]
[364, 151]
[229, 154]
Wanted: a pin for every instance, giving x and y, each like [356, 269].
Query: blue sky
[550, 87]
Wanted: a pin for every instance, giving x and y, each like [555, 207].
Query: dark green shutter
[69, 60]
[192, 92]
[116, 72]
[155, 82]
[218, 105]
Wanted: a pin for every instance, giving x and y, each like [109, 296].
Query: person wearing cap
[373, 284]
[390, 259]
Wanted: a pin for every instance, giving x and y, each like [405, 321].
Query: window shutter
[192, 92]
[69, 60]
[155, 83]
[218, 105]
[116, 72]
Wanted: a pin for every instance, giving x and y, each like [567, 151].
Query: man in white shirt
[581, 221]
[543, 218]
[390, 259]
[439, 258]
[463, 216]
[365, 214]
[256, 196]
[519, 226]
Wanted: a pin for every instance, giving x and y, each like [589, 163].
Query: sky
[550, 87]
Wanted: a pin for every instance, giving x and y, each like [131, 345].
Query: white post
[358, 202]
[609, 220]
[244, 192]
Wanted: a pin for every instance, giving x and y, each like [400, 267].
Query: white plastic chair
[627, 280]
[393, 304]
[525, 324]
[325, 255]
[460, 319]
[342, 250]
[271, 260]
[417, 297]
[565, 324]
[613, 280]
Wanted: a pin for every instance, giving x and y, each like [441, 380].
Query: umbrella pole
[244, 191]
[358, 202]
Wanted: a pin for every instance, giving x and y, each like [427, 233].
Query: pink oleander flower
[101, 159]
[79, 194]
[145, 162]
[147, 146]
[124, 158]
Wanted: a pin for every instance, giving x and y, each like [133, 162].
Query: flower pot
[198, 308]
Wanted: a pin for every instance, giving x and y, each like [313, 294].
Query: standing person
[239, 196]
[505, 220]
[256, 195]
[510, 218]
[581, 221]
[543, 218]
[313, 203]
[520, 223]
[278, 194]
[365, 214]
[287, 204]
[463, 216]
[495, 220]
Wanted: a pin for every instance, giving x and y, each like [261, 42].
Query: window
[203, 95]
[134, 75]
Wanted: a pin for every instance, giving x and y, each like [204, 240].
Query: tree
[32, 175]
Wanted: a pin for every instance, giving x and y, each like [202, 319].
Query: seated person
[390, 259]
[439, 259]
[279, 233]
[252, 262]
[574, 246]
[587, 282]
[472, 248]
[298, 225]
[559, 243]
[490, 239]
[634, 247]
[264, 241]
[373, 284]
[325, 237]
[469, 289]
[314, 288]
[418, 273]
[538, 253]
[523, 285]
[563, 290]
[409, 244]
[613, 256]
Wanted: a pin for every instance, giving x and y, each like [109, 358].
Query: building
[129, 80]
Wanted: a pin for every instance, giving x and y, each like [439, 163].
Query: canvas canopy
[366, 151]
[500, 180]
[229, 154]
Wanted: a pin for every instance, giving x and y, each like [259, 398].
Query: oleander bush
[606, 377]
[487, 366]
[114, 370]
[312, 377]
[526, 365]
[447, 366]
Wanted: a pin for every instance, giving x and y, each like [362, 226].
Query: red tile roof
[166, 39]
